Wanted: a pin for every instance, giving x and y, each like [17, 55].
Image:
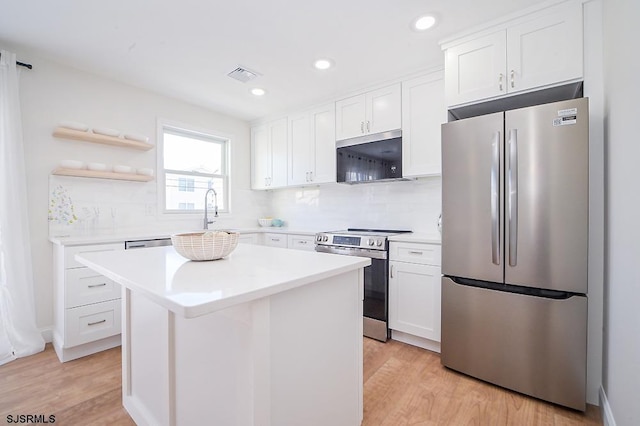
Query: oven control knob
[325, 238]
[379, 243]
[371, 241]
[318, 238]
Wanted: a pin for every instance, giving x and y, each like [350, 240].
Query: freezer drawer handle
[513, 197]
[495, 199]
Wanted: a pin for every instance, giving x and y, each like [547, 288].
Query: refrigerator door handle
[513, 197]
[495, 199]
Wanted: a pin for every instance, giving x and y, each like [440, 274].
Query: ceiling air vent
[243, 74]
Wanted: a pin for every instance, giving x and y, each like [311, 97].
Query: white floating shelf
[101, 175]
[64, 133]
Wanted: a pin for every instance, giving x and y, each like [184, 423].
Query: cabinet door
[350, 117]
[476, 69]
[323, 131]
[83, 286]
[383, 109]
[93, 322]
[546, 50]
[300, 149]
[248, 238]
[423, 111]
[278, 138]
[275, 240]
[260, 157]
[414, 299]
[301, 242]
[71, 251]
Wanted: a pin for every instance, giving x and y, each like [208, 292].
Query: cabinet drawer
[84, 286]
[302, 242]
[70, 252]
[275, 240]
[92, 322]
[424, 254]
[248, 238]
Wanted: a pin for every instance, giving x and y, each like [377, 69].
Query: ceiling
[184, 49]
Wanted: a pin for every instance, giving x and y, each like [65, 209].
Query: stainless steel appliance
[370, 158]
[155, 242]
[373, 244]
[515, 247]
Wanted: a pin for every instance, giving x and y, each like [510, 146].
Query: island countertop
[191, 289]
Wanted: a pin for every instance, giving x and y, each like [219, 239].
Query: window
[193, 162]
[186, 184]
[186, 206]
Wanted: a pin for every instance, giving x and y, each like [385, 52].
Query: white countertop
[417, 238]
[191, 289]
[132, 235]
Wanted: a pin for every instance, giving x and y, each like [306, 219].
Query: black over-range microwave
[370, 158]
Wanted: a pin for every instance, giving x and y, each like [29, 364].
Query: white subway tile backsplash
[413, 205]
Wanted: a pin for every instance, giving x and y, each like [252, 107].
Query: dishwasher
[156, 242]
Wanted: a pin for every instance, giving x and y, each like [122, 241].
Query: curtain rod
[22, 64]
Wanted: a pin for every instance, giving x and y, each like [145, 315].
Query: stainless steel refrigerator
[515, 247]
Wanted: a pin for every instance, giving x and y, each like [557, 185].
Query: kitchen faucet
[215, 207]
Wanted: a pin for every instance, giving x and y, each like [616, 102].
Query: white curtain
[19, 335]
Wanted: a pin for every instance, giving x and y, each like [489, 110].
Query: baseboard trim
[420, 342]
[47, 334]
[607, 414]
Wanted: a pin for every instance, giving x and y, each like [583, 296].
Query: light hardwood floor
[403, 385]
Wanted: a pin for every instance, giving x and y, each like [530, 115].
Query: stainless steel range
[374, 244]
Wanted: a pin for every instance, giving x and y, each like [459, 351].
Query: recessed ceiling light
[323, 64]
[258, 91]
[424, 22]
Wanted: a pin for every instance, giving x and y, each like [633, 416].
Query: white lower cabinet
[275, 240]
[301, 242]
[248, 238]
[414, 294]
[87, 306]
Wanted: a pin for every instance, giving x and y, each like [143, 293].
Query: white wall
[622, 293]
[51, 93]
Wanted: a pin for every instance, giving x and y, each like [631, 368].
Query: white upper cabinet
[323, 131]
[423, 112]
[269, 155]
[260, 157]
[300, 148]
[476, 69]
[312, 149]
[543, 48]
[372, 112]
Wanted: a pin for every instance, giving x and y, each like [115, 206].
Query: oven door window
[375, 290]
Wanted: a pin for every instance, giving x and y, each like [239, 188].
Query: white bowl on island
[205, 245]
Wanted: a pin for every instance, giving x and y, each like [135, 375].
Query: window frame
[198, 133]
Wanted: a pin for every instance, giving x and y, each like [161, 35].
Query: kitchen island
[266, 336]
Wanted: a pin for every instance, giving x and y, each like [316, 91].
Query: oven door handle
[352, 251]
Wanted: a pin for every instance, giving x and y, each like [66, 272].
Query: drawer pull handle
[416, 252]
[97, 322]
[97, 285]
